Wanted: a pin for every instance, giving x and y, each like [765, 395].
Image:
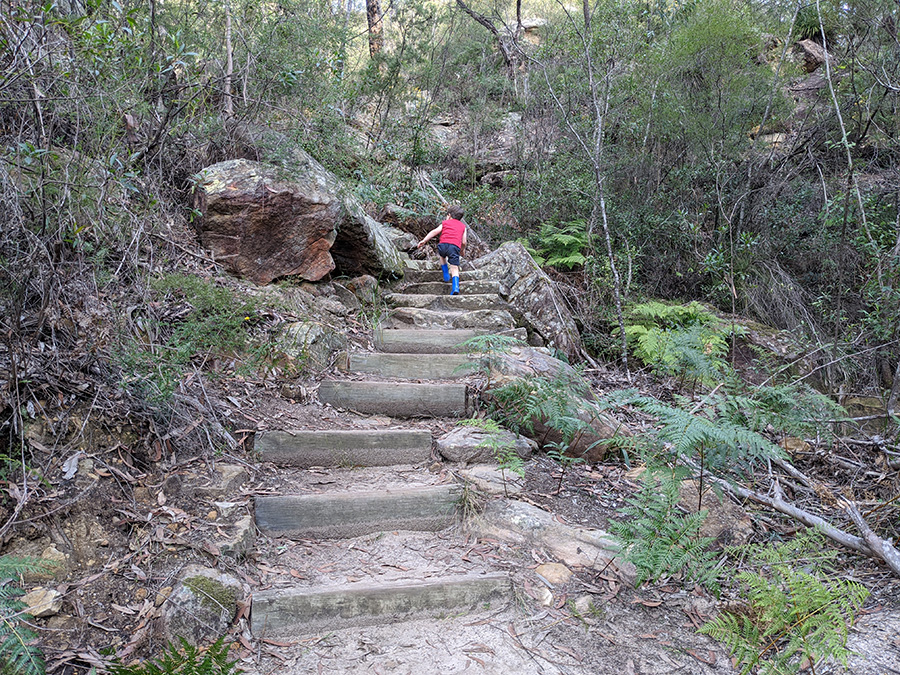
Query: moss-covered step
[344, 447]
[434, 366]
[353, 514]
[288, 612]
[397, 399]
[462, 301]
[437, 341]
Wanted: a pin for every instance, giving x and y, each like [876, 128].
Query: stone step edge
[289, 612]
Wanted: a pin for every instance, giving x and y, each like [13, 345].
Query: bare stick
[880, 548]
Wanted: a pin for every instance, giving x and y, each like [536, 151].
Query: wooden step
[344, 447]
[419, 341]
[284, 613]
[397, 399]
[352, 514]
[432, 301]
[434, 366]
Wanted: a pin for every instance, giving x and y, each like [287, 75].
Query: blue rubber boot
[446, 270]
[455, 289]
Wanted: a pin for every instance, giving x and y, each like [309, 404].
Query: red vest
[452, 232]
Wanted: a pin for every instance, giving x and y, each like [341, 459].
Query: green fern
[186, 660]
[555, 402]
[18, 654]
[487, 351]
[684, 341]
[659, 539]
[795, 613]
[562, 246]
[715, 441]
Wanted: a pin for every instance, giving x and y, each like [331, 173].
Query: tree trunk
[376, 24]
[229, 62]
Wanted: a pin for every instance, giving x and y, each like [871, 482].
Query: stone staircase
[397, 523]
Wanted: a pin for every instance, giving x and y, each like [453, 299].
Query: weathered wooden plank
[298, 611]
[420, 341]
[397, 399]
[344, 447]
[435, 366]
[352, 514]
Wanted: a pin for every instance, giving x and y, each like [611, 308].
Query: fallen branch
[881, 548]
[777, 503]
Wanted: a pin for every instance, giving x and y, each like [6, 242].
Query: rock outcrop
[264, 222]
[526, 287]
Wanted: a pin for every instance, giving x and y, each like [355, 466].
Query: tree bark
[229, 62]
[376, 24]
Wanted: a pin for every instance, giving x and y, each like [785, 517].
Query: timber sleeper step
[423, 276]
[397, 399]
[422, 341]
[344, 447]
[281, 613]
[356, 513]
[433, 366]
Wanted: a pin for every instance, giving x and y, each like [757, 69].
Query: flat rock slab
[290, 612]
[520, 523]
[344, 447]
[424, 276]
[434, 366]
[352, 514]
[485, 320]
[431, 301]
[397, 399]
[466, 287]
[417, 341]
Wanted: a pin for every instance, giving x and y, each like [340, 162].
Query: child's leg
[445, 269]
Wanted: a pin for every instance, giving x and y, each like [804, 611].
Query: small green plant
[659, 539]
[557, 452]
[797, 612]
[504, 452]
[18, 654]
[184, 660]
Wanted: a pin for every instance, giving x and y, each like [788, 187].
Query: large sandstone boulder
[812, 55]
[527, 287]
[264, 222]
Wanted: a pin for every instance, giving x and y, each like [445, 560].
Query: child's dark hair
[456, 211]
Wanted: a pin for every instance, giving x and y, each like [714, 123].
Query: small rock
[212, 515]
[242, 542]
[475, 445]
[226, 508]
[202, 606]
[43, 602]
[586, 609]
[545, 597]
[491, 480]
[141, 593]
[555, 573]
[162, 595]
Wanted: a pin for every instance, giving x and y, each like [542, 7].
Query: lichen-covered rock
[201, 607]
[264, 222]
[525, 286]
[470, 445]
[311, 345]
